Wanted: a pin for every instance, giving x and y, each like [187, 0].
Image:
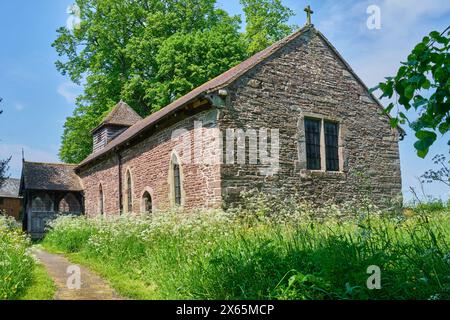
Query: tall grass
[267, 249]
[16, 265]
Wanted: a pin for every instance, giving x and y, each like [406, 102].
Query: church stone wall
[310, 80]
[106, 175]
[149, 165]
[304, 79]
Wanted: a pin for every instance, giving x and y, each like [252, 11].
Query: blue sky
[37, 99]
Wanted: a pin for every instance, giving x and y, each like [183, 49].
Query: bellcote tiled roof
[121, 115]
[10, 188]
[50, 176]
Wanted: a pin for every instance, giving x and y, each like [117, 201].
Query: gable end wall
[303, 80]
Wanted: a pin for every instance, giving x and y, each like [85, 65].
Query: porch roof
[50, 176]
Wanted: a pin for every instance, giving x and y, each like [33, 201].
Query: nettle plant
[422, 83]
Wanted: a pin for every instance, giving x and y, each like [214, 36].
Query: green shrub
[432, 206]
[269, 249]
[16, 265]
[70, 233]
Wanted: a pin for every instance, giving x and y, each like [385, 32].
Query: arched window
[176, 180]
[100, 200]
[129, 193]
[147, 205]
[42, 204]
[69, 204]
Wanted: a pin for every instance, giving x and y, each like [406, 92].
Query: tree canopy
[266, 23]
[150, 52]
[422, 83]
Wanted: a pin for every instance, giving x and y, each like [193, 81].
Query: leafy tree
[426, 72]
[3, 163]
[148, 53]
[187, 60]
[266, 23]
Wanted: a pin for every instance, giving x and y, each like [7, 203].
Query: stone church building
[296, 109]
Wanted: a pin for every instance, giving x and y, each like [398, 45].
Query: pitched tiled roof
[10, 188]
[215, 84]
[50, 176]
[122, 114]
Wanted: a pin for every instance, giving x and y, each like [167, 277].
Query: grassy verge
[41, 286]
[125, 285]
[266, 251]
[16, 265]
[20, 276]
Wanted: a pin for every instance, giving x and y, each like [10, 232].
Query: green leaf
[426, 84]
[389, 108]
[444, 128]
[388, 90]
[438, 38]
[401, 72]
[426, 139]
[420, 48]
[422, 148]
[419, 101]
[434, 35]
[412, 60]
[424, 134]
[422, 153]
[404, 102]
[409, 92]
[417, 78]
[393, 122]
[440, 74]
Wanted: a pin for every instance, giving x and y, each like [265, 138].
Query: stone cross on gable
[309, 12]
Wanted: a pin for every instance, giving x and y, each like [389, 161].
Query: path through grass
[258, 255]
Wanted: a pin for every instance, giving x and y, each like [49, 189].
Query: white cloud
[31, 154]
[69, 91]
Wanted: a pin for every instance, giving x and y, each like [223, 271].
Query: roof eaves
[110, 118]
[119, 141]
[28, 166]
[101, 125]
